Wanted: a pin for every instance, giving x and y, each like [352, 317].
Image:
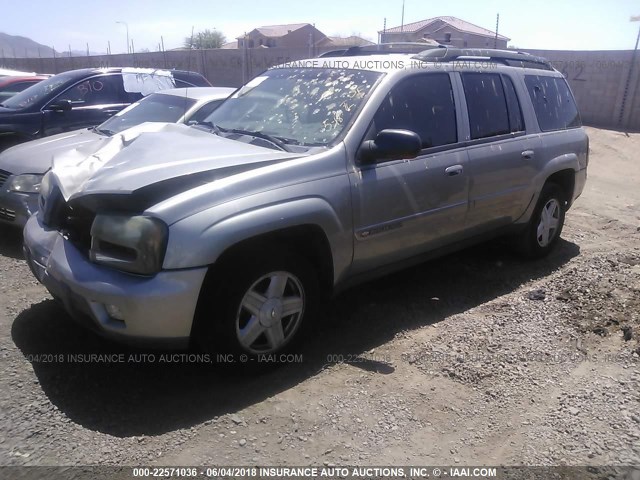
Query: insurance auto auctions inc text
[376, 472]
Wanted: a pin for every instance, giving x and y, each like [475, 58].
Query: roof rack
[381, 49]
[505, 57]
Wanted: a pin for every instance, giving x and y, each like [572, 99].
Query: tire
[543, 231]
[256, 305]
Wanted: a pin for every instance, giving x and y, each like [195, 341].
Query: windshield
[156, 107]
[306, 106]
[40, 90]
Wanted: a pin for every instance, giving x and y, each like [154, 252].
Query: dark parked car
[82, 98]
[9, 86]
[23, 166]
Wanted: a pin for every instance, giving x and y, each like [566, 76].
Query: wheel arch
[309, 226]
[306, 240]
[566, 180]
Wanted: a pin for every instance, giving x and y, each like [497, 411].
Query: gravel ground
[478, 358]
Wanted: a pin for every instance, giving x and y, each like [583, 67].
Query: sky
[541, 24]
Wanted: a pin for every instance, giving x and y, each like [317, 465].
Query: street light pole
[126, 25]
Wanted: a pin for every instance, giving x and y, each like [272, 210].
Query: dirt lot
[478, 358]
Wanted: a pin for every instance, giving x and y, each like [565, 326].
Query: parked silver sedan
[23, 166]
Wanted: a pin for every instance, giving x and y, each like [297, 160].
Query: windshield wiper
[210, 126]
[287, 140]
[279, 142]
[104, 131]
[265, 136]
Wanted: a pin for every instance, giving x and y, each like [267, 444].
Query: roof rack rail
[381, 49]
[505, 57]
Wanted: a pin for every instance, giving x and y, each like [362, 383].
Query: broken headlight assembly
[26, 183]
[133, 244]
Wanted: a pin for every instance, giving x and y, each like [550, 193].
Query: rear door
[403, 208]
[500, 151]
[93, 101]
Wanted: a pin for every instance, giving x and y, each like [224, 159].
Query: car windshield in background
[156, 107]
[33, 94]
[305, 106]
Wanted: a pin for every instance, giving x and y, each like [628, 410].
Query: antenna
[402, 23]
[495, 40]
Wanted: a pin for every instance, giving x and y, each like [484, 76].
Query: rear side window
[553, 103]
[516, 123]
[423, 104]
[486, 103]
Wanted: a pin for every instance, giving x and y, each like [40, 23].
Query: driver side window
[423, 104]
[95, 91]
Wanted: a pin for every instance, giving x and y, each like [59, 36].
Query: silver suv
[312, 177]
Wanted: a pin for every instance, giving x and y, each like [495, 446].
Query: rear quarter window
[553, 103]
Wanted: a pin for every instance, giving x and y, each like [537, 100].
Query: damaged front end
[106, 269]
[95, 244]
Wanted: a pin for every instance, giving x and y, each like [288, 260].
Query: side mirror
[60, 106]
[391, 145]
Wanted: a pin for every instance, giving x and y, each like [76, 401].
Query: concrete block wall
[598, 78]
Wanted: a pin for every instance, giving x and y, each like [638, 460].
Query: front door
[403, 208]
[93, 101]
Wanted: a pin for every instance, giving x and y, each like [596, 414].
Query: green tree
[205, 39]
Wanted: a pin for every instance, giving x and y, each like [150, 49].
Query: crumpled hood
[150, 153]
[36, 156]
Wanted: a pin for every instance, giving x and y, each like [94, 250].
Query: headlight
[27, 183]
[132, 244]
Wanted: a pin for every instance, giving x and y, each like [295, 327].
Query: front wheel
[543, 231]
[257, 305]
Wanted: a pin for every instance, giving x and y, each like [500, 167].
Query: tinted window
[516, 123]
[16, 87]
[423, 104]
[486, 103]
[95, 91]
[552, 102]
[39, 91]
[156, 107]
[182, 83]
[204, 111]
[8, 91]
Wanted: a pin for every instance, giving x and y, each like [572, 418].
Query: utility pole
[635, 18]
[164, 53]
[382, 37]
[127, 27]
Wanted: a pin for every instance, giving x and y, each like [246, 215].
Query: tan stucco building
[446, 31]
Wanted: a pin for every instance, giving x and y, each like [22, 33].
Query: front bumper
[156, 311]
[16, 208]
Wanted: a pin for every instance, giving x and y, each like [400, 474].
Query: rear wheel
[257, 305]
[543, 231]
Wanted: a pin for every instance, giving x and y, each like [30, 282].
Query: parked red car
[9, 85]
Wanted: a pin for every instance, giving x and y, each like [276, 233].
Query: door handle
[528, 154]
[453, 170]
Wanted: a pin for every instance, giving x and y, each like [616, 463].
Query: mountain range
[16, 46]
